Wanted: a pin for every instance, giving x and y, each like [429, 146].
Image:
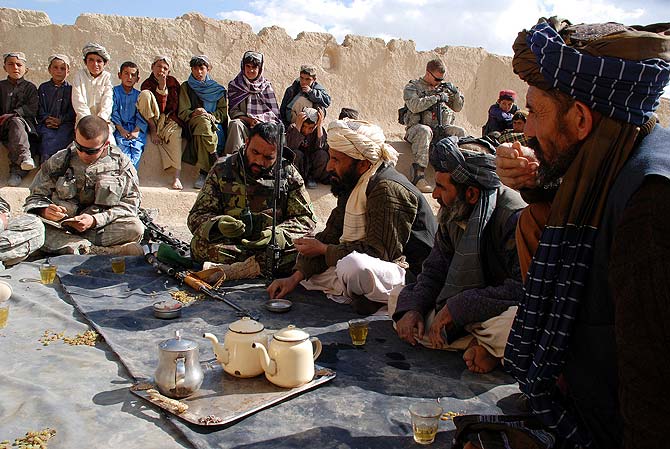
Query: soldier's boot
[218, 273]
[419, 179]
[58, 242]
[127, 249]
[200, 181]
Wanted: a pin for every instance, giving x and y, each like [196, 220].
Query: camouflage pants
[120, 231]
[419, 136]
[202, 250]
[23, 236]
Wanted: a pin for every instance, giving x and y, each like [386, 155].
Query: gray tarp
[364, 406]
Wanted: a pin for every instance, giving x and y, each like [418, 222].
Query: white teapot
[289, 360]
[237, 355]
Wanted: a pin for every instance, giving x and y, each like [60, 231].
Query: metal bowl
[167, 310]
[278, 305]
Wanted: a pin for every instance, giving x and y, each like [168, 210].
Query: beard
[342, 187]
[257, 171]
[550, 172]
[458, 211]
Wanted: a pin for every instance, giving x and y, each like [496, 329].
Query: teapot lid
[246, 325]
[178, 344]
[291, 333]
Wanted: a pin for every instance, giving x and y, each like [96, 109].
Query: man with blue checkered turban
[588, 342]
[465, 297]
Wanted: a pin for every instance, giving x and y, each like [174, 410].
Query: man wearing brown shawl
[159, 105]
[588, 340]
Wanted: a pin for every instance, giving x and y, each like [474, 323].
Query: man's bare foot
[479, 360]
[470, 445]
[176, 184]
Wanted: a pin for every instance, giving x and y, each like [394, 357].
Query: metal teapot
[179, 373]
[236, 354]
[289, 359]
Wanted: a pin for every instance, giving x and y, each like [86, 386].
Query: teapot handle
[180, 372]
[317, 346]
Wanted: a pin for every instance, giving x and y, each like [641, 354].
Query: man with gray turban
[380, 231]
[465, 296]
[92, 85]
[588, 340]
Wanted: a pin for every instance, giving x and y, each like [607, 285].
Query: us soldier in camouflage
[231, 219]
[92, 185]
[422, 96]
[19, 236]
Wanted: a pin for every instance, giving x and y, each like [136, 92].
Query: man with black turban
[465, 297]
[588, 340]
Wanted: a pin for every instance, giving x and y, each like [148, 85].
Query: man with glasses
[88, 194]
[422, 98]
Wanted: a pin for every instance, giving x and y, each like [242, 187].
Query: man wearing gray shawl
[470, 305]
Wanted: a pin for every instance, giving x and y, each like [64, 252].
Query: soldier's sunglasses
[439, 80]
[87, 150]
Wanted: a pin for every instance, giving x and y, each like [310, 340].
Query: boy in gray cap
[18, 108]
[305, 92]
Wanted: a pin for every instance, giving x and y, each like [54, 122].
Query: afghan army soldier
[89, 194]
[19, 236]
[231, 219]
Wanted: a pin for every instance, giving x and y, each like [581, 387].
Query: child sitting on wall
[501, 113]
[131, 128]
[92, 86]
[18, 108]
[55, 119]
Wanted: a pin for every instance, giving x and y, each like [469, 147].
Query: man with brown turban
[381, 229]
[588, 340]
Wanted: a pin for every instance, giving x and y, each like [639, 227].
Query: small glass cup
[425, 421]
[4, 313]
[358, 330]
[48, 273]
[119, 265]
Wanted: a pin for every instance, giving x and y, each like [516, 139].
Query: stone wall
[364, 73]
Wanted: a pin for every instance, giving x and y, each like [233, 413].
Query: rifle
[441, 129]
[156, 233]
[273, 252]
[190, 279]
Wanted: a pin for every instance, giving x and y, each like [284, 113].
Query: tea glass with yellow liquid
[5, 294]
[358, 330]
[119, 265]
[48, 273]
[425, 421]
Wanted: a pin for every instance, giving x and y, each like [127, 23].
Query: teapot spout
[220, 352]
[269, 365]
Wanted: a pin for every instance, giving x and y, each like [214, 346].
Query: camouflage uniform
[226, 193]
[421, 119]
[108, 189]
[24, 235]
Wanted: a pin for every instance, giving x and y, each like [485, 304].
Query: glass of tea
[425, 421]
[48, 273]
[358, 330]
[119, 265]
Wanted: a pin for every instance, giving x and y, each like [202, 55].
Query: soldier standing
[422, 98]
[88, 193]
[231, 219]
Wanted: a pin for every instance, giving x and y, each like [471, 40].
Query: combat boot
[419, 179]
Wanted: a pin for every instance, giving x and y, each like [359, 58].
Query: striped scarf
[540, 337]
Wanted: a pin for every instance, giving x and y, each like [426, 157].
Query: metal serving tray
[223, 398]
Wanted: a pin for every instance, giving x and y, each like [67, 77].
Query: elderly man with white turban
[465, 296]
[381, 230]
[92, 86]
